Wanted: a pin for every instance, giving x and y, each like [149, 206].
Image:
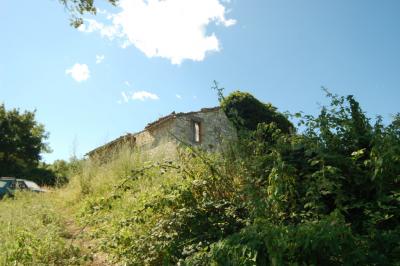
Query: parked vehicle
[23, 184]
[8, 186]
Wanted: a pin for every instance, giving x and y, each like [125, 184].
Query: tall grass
[97, 175]
[33, 227]
[142, 211]
[32, 232]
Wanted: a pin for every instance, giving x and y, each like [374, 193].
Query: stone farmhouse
[208, 129]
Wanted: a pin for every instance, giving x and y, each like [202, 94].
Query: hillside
[326, 193]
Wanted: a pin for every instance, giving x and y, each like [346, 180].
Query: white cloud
[127, 83]
[172, 29]
[125, 44]
[138, 95]
[125, 97]
[178, 96]
[111, 31]
[79, 72]
[99, 58]
[144, 95]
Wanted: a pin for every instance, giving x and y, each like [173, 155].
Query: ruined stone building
[207, 128]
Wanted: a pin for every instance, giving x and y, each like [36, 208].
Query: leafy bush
[247, 112]
[326, 242]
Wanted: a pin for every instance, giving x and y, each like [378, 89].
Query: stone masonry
[208, 129]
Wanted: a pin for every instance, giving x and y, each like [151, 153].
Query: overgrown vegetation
[246, 112]
[32, 232]
[326, 195]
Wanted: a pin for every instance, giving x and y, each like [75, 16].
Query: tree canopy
[22, 140]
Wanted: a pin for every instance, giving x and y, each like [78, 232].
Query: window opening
[197, 132]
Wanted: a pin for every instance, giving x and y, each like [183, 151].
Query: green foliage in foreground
[32, 232]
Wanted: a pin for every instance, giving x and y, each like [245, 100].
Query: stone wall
[157, 143]
[215, 128]
[160, 141]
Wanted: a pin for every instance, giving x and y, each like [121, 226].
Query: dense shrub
[245, 111]
[326, 242]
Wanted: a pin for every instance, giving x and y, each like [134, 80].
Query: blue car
[7, 186]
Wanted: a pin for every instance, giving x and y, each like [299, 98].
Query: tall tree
[22, 140]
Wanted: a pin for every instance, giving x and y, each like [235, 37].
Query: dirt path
[88, 247]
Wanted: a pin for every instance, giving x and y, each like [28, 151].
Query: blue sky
[281, 51]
